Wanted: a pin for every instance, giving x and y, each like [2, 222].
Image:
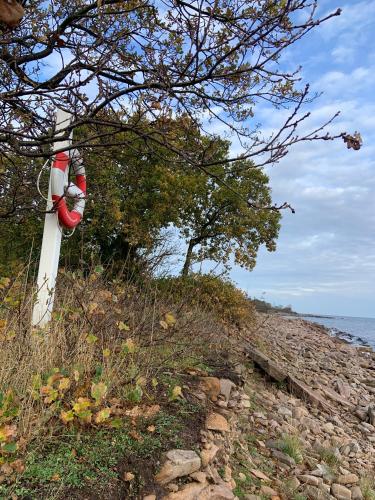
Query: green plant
[291, 445]
[329, 457]
[367, 485]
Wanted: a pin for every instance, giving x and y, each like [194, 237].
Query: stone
[312, 480]
[216, 422]
[149, 497]
[347, 479]
[266, 490]
[199, 476]
[343, 388]
[207, 455]
[252, 497]
[241, 476]
[371, 414]
[190, 491]
[179, 463]
[314, 493]
[128, 476]
[283, 458]
[226, 387]
[285, 412]
[357, 493]
[299, 412]
[341, 492]
[260, 475]
[216, 492]
[210, 386]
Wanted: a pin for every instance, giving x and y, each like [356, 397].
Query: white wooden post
[50, 253]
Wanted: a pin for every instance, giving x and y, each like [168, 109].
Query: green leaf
[99, 391]
[9, 448]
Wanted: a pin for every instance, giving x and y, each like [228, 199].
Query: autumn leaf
[175, 393]
[92, 307]
[67, 416]
[170, 319]
[81, 409]
[102, 415]
[64, 384]
[128, 346]
[106, 353]
[7, 432]
[123, 326]
[91, 338]
[99, 391]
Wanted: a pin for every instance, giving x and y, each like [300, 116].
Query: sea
[359, 331]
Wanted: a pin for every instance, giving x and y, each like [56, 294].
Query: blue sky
[325, 260]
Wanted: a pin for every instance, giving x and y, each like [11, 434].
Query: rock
[341, 492]
[299, 412]
[226, 387]
[216, 422]
[312, 480]
[336, 397]
[285, 412]
[190, 491]
[128, 476]
[252, 497]
[270, 367]
[216, 492]
[266, 490]
[314, 493]
[149, 497]
[260, 475]
[241, 476]
[283, 458]
[343, 388]
[172, 487]
[347, 479]
[371, 414]
[208, 454]
[357, 493]
[210, 386]
[179, 463]
[199, 476]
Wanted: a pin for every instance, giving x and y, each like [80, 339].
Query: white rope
[38, 182]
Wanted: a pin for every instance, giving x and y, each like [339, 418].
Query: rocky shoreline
[261, 440]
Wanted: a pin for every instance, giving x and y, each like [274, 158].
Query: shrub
[217, 295]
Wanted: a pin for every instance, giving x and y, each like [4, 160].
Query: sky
[325, 258]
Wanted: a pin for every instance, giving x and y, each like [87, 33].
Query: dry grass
[113, 331]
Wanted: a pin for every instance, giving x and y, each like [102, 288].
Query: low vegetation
[100, 391]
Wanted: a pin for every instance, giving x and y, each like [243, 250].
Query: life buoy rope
[68, 219]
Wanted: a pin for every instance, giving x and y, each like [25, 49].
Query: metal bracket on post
[50, 253]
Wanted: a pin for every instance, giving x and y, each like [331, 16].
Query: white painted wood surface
[50, 252]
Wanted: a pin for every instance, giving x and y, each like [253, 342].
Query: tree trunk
[189, 254]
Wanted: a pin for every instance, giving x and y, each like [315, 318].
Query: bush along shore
[177, 389]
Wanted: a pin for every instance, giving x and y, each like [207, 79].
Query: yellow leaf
[154, 382]
[81, 404]
[92, 307]
[106, 353]
[64, 384]
[67, 416]
[55, 477]
[170, 319]
[3, 323]
[122, 326]
[99, 391]
[176, 393]
[91, 338]
[129, 346]
[102, 415]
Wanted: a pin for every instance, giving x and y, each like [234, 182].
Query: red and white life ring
[61, 190]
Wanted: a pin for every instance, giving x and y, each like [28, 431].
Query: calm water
[359, 331]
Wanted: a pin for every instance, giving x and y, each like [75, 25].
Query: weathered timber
[277, 373]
